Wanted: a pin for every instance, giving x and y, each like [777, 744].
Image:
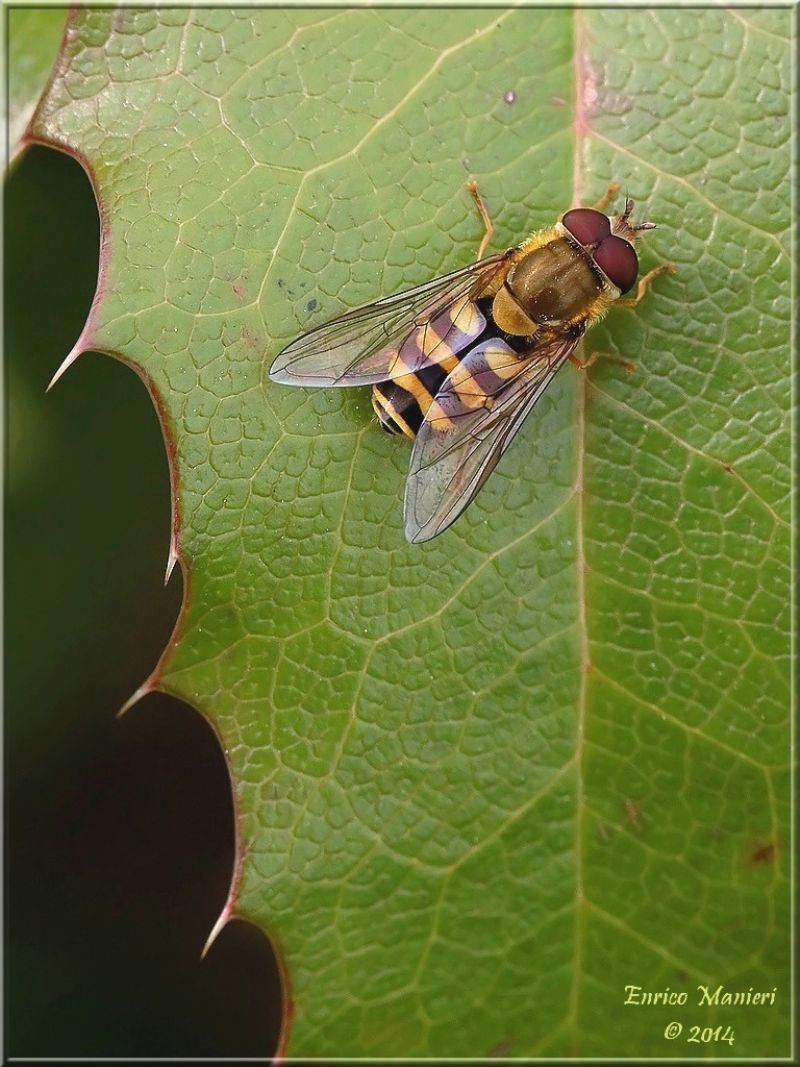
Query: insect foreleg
[632, 301]
[607, 197]
[472, 185]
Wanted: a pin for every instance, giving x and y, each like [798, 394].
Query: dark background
[119, 833]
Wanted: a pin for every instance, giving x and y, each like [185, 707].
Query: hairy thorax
[554, 284]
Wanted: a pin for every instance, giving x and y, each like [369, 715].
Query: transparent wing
[470, 424]
[393, 336]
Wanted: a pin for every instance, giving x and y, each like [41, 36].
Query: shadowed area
[120, 832]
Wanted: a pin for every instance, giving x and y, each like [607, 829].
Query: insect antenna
[623, 227]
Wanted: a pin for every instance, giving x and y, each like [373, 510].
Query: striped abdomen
[402, 403]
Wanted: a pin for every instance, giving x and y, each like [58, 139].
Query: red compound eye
[586, 225]
[617, 259]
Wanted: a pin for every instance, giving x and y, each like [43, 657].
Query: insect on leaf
[481, 784]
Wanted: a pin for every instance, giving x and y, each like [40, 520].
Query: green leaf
[482, 785]
[34, 35]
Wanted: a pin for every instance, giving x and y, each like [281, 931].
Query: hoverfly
[456, 364]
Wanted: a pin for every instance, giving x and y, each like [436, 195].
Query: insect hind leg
[584, 364]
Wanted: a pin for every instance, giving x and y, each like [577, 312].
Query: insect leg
[632, 301]
[584, 364]
[472, 186]
[607, 197]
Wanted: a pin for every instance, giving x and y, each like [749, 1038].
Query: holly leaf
[486, 784]
[34, 35]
